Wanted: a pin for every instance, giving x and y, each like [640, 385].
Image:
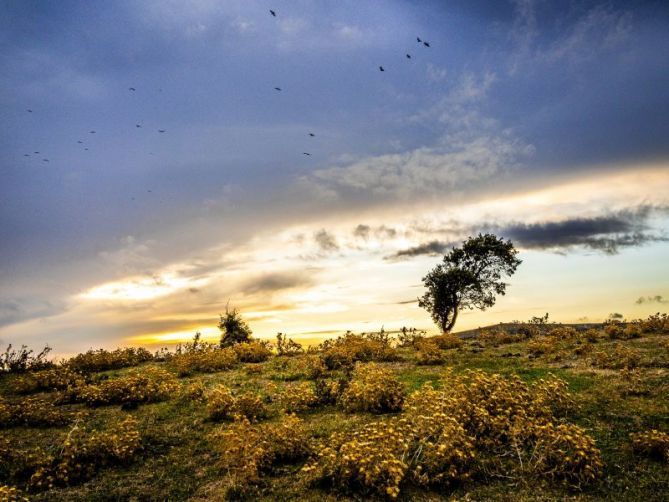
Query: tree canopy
[469, 277]
[233, 328]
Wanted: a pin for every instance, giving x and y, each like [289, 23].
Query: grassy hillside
[544, 413]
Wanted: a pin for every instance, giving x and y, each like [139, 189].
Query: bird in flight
[381, 68]
[45, 160]
[138, 126]
[161, 130]
[35, 152]
[408, 56]
[86, 149]
[29, 110]
[80, 142]
[26, 155]
[312, 134]
[272, 12]
[91, 132]
[277, 88]
[418, 39]
[131, 89]
[426, 44]
[306, 153]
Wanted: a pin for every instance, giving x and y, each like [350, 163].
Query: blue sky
[546, 122]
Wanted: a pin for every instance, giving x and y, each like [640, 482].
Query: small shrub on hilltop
[308, 367]
[563, 333]
[407, 337]
[447, 341]
[31, 412]
[103, 360]
[374, 389]
[287, 347]
[496, 337]
[222, 405]
[620, 357]
[57, 378]
[21, 360]
[145, 386]
[653, 444]
[428, 353]
[346, 350]
[328, 390]
[656, 323]
[252, 352]
[84, 452]
[210, 359]
[248, 451]
[195, 391]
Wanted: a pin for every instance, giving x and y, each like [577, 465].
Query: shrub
[620, 357]
[563, 333]
[248, 452]
[195, 391]
[209, 359]
[222, 405]
[407, 337]
[542, 345]
[57, 378]
[11, 494]
[233, 328]
[145, 386]
[309, 367]
[374, 389]
[84, 452]
[656, 323]
[251, 406]
[496, 337]
[252, 352]
[287, 347]
[346, 350]
[21, 360]
[428, 353]
[328, 390]
[447, 341]
[31, 412]
[653, 444]
[103, 360]
[297, 398]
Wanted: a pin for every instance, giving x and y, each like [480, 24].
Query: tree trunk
[446, 328]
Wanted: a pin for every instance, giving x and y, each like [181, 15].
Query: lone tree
[233, 328]
[469, 277]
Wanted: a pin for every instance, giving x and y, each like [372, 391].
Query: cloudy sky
[545, 122]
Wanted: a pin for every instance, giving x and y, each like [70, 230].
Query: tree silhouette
[233, 328]
[469, 277]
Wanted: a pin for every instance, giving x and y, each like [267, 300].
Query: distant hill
[515, 327]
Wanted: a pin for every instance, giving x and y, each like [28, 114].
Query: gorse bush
[252, 352]
[346, 350]
[653, 444]
[372, 388]
[287, 347]
[447, 341]
[103, 360]
[32, 412]
[23, 359]
[249, 451]
[656, 323]
[85, 452]
[210, 359]
[428, 352]
[57, 378]
[222, 405]
[618, 358]
[11, 494]
[297, 398]
[309, 367]
[136, 387]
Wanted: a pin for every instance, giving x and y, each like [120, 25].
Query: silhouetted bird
[138, 125]
[306, 153]
[45, 160]
[426, 44]
[149, 191]
[381, 68]
[418, 39]
[91, 132]
[29, 110]
[26, 155]
[408, 56]
[35, 152]
[161, 130]
[272, 12]
[131, 89]
[80, 142]
[86, 149]
[312, 134]
[277, 88]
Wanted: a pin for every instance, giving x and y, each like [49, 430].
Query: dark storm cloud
[14, 310]
[608, 233]
[651, 299]
[431, 248]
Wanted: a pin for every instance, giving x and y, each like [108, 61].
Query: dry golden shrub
[31, 412]
[11, 494]
[428, 353]
[350, 348]
[223, 405]
[656, 324]
[208, 359]
[57, 378]
[196, 391]
[102, 360]
[620, 357]
[309, 367]
[653, 444]
[372, 388]
[298, 398]
[251, 406]
[447, 341]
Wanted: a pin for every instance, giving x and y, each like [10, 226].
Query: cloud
[651, 299]
[616, 315]
[325, 241]
[13, 310]
[362, 231]
[270, 283]
[431, 248]
[608, 233]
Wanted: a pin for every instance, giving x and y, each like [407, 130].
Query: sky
[151, 172]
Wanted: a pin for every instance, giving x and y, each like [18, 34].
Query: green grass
[179, 461]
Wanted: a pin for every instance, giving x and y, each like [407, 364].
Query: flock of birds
[162, 131]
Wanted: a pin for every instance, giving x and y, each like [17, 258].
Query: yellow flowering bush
[656, 323]
[447, 341]
[84, 452]
[145, 386]
[102, 360]
[196, 391]
[209, 359]
[298, 398]
[428, 353]
[32, 412]
[372, 388]
[653, 444]
[249, 451]
[57, 378]
[11, 494]
[308, 367]
[251, 406]
[222, 404]
[620, 357]
[346, 350]
[252, 352]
